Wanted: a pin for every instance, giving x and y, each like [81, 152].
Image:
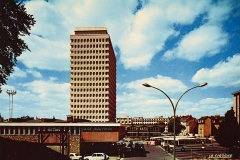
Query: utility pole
[11, 92]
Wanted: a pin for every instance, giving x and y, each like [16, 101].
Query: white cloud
[47, 90]
[36, 74]
[56, 20]
[46, 54]
[218, 12]
[139, 36]
[40, 98]
[225, 73]
[151, 27]
[146, 101]
[204, 41]
[164, 83]
[205, 107]
[148, 105]
[18, 73]
[142, 105]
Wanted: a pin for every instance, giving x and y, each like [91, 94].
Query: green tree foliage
[14, 22]
[162, 124]
[228, 133]
[178, 127]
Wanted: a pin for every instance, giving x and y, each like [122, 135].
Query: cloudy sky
[172, 45]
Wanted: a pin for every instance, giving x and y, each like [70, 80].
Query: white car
[74, 156]
[97, 156]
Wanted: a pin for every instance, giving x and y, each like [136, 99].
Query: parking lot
[158, 153]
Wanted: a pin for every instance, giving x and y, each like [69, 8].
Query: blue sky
[172, 45]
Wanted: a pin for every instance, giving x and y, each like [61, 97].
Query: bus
[155, 141]
[190, 143]
[160, 140]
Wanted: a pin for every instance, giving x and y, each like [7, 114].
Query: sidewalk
[114, 158]
[164, 155]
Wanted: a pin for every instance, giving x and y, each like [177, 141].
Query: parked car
[139, 146]
[74, 156]
[97, 156]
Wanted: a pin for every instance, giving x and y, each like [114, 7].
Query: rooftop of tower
[90, 30]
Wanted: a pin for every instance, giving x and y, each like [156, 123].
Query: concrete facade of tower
[92, 75]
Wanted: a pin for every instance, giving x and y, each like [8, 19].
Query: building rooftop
[90, 28]
[87, 31]
[237, 92]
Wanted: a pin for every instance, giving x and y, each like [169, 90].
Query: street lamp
[174, 108]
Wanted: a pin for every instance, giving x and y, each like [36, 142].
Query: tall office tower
[93, 75]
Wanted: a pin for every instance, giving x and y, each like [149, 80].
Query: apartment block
[92, 75]
[208, 125]
[236, 105]
[189, 122]
[126, 120]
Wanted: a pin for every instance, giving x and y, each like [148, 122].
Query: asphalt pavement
[151, 153]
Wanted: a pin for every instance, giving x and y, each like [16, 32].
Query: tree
[162, 124]
[228, 133]
[14, 22]
[178, 126]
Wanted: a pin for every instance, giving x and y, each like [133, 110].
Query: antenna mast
[11, 92]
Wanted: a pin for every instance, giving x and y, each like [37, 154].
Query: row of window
[92, 100]
[90, 68]
[93, 73]
[144, 135]
[87, 51]
[91, 117]
[155, 128]
[89, 89]
[26, 130]
[89, 106]
[89, 111]
[150, 120]
[77, 73]
[90, 79]
[142, 120]
[86, 40]
[93, 63]
[93, 95]
[89, 57]
[143, 123]
[90, 46]
[86, 63]
[89, 84]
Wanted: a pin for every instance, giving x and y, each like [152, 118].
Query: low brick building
[64, 136]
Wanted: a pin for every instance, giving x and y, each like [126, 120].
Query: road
[151, 153]
[158, 153]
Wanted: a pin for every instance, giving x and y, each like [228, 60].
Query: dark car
[139, 146]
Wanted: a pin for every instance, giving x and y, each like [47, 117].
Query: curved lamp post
[174, 108]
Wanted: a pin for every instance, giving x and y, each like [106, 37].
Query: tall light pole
[174, 109]
[11, 92]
